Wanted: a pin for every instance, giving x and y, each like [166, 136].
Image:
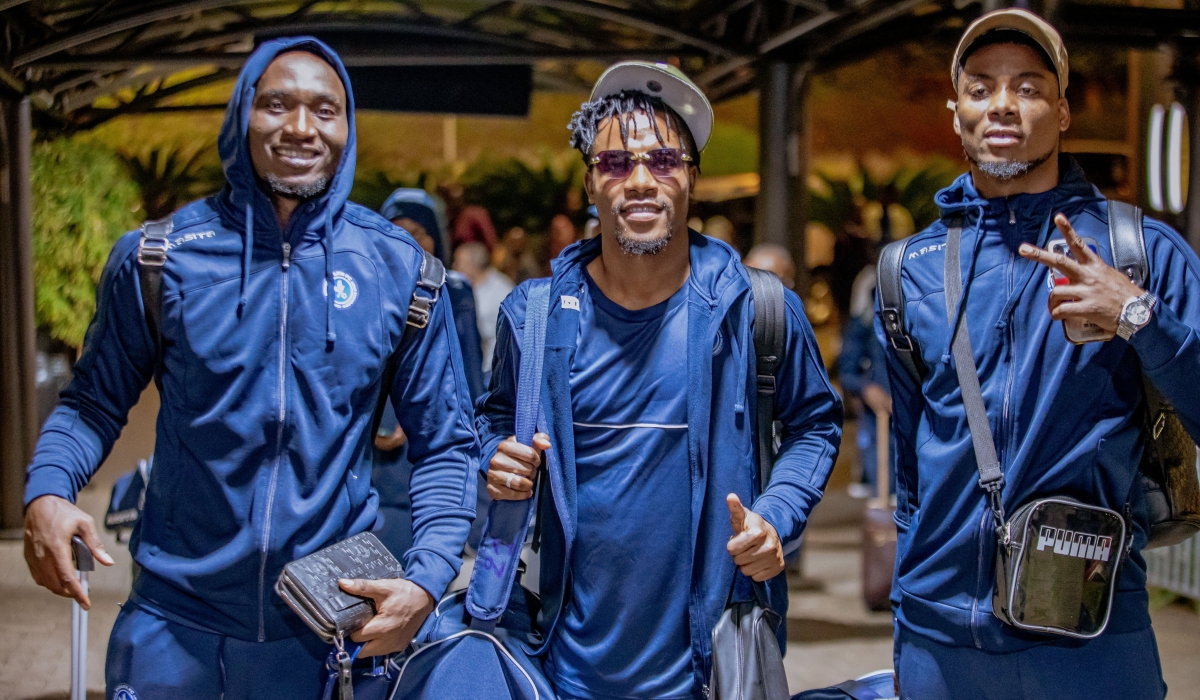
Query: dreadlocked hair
[622, 108]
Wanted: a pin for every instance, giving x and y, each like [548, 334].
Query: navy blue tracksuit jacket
[1064, 417]
[722, 450]
[274, 348]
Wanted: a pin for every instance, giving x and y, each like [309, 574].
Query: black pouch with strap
[1169, 461]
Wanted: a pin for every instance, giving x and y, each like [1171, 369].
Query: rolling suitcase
[879, 530]
[79, 619]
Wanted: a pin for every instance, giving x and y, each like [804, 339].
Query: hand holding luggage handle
[83, 564]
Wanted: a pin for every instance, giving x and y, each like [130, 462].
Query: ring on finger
[508, 479]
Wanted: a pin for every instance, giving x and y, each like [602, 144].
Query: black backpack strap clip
[770, 336]
[891, 309]
[430, 279]
[151, 258]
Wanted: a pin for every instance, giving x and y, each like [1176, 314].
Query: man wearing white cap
[1060, 343]
[649, 422]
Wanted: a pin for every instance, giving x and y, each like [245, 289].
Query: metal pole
[18, 398]
[799, 159]
[771, 208]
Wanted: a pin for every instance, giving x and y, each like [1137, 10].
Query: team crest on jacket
[124, 692]
[345, 290]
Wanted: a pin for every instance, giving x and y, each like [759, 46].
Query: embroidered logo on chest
[345, 290]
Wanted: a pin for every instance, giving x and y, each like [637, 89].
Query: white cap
[666, 82]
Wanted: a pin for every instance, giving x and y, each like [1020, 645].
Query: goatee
[635, 246]
[299, 190]
[1006, 170]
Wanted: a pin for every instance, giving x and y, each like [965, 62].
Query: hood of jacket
[244, 205]
[420, 206]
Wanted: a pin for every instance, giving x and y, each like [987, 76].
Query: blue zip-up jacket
[1063, 416]
[268, 388]
[722, 451]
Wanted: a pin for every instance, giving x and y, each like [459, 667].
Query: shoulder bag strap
[1127, 241]
[508, 521]
[891, 308]
[991, 477]
[151, 257]
[770, 333]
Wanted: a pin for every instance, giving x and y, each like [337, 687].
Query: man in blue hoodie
[1065, 418]
[649, 425]
[282, 308]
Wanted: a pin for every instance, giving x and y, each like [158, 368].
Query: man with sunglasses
[649, 414]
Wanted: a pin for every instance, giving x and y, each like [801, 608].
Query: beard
[1008, 170]
[298, 190]
[635, 246]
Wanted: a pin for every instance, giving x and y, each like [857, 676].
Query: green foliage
[83, 200]
[373, 190]
[834, 202]
[731, 149]
[171, 176]
[518, 194]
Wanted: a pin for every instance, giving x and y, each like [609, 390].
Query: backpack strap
[770, 332]
[430, 279]
[151, 259]
[1128, 241]
[891, 309]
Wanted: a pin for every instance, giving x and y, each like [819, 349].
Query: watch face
[1137, 313]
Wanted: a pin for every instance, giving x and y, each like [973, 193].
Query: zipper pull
[1012, 216]
[287, 255]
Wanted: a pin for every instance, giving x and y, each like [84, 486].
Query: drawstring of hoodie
[326, 244]
[247, 250]
[743, 356]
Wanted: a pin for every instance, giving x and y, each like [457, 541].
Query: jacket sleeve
[811, 414]
[496, 410]
[116, 365]
[907, 405]
[432, 400]
[1169, 346]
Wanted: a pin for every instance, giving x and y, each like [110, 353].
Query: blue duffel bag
[479, 643]
[873, 686]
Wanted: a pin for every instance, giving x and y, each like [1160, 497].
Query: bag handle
[770, 333]
[991, 476]
[508, 521]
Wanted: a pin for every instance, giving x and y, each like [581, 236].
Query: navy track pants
[151, 658]
[1124, 666]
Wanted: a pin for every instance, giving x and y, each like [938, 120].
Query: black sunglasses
[662, 162]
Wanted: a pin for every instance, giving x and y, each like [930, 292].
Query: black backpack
[1168, 467]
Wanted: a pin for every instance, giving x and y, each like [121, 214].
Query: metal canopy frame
[67, 54]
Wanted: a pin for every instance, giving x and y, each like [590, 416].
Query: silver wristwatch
[1135, 314]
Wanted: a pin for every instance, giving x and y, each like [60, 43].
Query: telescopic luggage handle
[84, 562]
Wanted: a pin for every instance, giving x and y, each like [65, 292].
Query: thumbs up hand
[755, 546]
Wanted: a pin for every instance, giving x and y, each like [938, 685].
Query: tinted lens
[664, 161]
[614, 163]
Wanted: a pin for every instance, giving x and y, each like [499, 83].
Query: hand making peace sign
[1095, 292]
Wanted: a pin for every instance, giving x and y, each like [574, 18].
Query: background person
[491, 288]
[1065, 417]
[263, 451]
[647, 359]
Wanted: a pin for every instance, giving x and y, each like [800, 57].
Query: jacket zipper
[266, 538]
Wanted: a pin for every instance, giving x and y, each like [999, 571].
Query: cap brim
[657, 80]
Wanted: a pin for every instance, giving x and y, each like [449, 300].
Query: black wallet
[310, 585]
